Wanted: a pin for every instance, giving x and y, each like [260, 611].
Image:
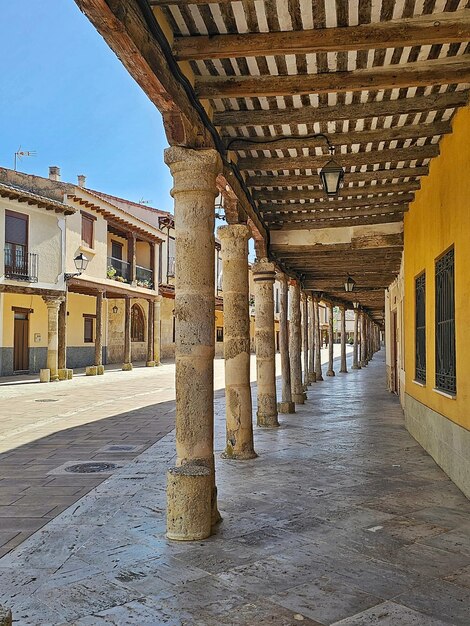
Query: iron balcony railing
[144, 277]
[118, 269]
[20, 264]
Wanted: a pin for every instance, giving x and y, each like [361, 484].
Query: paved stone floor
[342, 519]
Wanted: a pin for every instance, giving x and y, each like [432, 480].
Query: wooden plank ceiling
[381, 78]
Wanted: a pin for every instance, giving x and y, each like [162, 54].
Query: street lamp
[331, 175]
[349, 284]
[81, 263]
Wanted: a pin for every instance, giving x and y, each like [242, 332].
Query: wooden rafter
[417, 31]
[346, 160]
[345, 192]
[351, 177]
[325, 113]
[340, 222]
[344, 212]
[421, 73]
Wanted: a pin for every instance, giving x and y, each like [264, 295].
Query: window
[276, 301]
[220, 333]
[420, 328]
[137, 323]
[116, 250]
[445, 324]
[16, 243]
[88, 229]
[88, 328]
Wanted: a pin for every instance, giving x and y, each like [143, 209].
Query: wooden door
[21, 343]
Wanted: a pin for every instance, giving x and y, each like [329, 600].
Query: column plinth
[286, 405]
[194, 176]
[238, 407]
[263, 276]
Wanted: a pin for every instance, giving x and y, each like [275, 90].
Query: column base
[91, 370]
[267, 421]
[5, 616]
[126, 367]
[189, 494]
[45, 376]
[356, 367]
[312, 377]
[99, 370]
[343, 371]
[298, 398]
[231, 455]
[286, 407]
[150, 364]
[330, 373]
[65, 373]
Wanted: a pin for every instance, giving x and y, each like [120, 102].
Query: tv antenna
[19, 154]
[144, 201]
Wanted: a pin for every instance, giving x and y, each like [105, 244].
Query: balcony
[171, 267]
[20, 264]
[118, 270]
[144, 277]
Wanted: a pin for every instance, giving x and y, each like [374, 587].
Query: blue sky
[65, 94]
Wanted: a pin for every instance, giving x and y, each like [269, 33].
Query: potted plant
[111, 271]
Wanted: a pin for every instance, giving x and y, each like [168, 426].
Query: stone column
[356, 365]
[238, 408]
[194, 191]
[127, 365]
[363, 340]
[286, 405]
[150, 334]
[312, 378]
[263, 276]
[344, 368]
[131, 257]
[53, 303]
[331, 344]
[295, 345]
[62, 347]
[156, 330]
[99, 332]
[318, 368]
[305, 345]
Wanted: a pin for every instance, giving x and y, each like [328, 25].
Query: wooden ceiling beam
[350, 159]
[417, 31]
[344, 192]
[337, 213]
[323, 113]
[299, 142]
[444, 71]
[350, 177]
[340, 223]
[325, 206]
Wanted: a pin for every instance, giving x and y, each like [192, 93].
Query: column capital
[158, 298]
[53, 301]
[234, 231]
[303, 296]
[281, 277]
[263, 270]
[193, 170]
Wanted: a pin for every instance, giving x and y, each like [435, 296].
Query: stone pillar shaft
[150, 333]
[305, 346]
[363, 340]
[263, 275]
[194, 176]
[311, 340]
[62, 348]
[99, 329]
[286, 405]
[127, 330]
[238, 408]
[156, 330]
[318, 367]
[344, 368]
[331, 345]
[295, 345]
[53, 305]
[356, 365]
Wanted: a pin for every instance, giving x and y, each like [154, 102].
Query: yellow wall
[97, 256]
[439, 218]
[37, 319]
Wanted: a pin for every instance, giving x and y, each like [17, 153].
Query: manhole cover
[90, 468]
[46, 400]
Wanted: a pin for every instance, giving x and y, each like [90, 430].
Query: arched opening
[137, 323]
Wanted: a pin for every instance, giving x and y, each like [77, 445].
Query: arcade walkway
[342, 519]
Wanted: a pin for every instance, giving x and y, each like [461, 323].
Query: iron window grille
[420, 328]
[445, 324]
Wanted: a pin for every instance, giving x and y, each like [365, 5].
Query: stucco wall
[439, 218]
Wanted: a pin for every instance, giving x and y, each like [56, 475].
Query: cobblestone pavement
[43, 427]
[342, 519]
